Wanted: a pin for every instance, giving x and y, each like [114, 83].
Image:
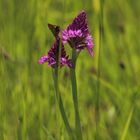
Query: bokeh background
[28, 109]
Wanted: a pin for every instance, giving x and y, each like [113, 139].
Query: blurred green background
[28, 110]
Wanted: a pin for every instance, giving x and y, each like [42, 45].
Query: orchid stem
[75, 98]
[61, 106]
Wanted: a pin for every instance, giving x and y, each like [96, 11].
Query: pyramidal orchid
[56, 60]
[77, 34]
[53, 54]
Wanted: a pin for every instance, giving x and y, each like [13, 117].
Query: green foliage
[28, 109]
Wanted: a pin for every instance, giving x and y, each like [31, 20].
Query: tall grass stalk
[75, 98]
[61, 106]
[127, 125]
[97, 114]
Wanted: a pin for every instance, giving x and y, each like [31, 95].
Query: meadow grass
[28, 108]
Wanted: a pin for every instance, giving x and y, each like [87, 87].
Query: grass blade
[126, 127]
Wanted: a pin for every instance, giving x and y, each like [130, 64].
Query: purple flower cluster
[76, 35]
[53, 56]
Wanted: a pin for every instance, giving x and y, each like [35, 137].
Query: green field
[110, 79]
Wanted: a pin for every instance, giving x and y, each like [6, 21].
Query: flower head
[77, 34]
[53, 54]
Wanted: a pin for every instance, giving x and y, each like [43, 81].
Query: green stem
[61, 106]
[75, 98]
[97, 107]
